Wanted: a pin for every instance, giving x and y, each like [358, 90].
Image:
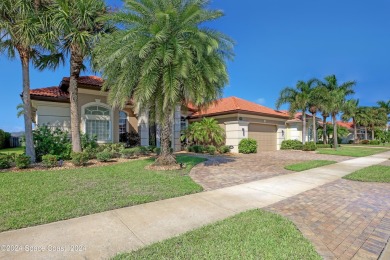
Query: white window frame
[127, 120]
[109, 118]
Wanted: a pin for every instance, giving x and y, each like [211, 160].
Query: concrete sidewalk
[103, 235]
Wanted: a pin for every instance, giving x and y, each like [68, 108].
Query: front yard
[255, 234]
[36, 197]
[376, 173]
[17, 150]
[352, 151]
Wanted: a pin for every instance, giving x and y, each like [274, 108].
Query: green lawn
[352, 151]
[308, 165]
[17, 150]
[254, 234]
[37, 197]
[376, 173]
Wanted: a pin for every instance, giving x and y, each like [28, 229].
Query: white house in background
[240, 118]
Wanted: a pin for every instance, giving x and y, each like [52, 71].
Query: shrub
[375, 142]
[104, 156]
[22, 161]
[365, 142]
[224, 149]
[114, 149]
[2, 139]
[80, 159]
[247, 146]
[291, 145]
[309, 146]
[130, 139]
[211, 149]
[196, 148]
[157, 150]
[205, 132]
[52, 141]
[320, 142]
[50, 160]
[5, 162]
[91, 152]
[151, 148]
[127, 153]
[350, 142]
[88, 141]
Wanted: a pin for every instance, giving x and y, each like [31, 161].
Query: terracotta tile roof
[52, 92]
[345, 124]
[234, 104]
[87, 80]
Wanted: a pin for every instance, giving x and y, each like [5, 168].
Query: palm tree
[377, 118]
[336, 97]
[205, 132]
[21, 33]
[77, 25]
[362, 118]
[350, 110]
[164, 57]
[386, 106]
[298, 99]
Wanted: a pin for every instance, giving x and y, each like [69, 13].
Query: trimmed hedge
[80, 159]
[247, 146]
[50, 160]
[22, 161]
[309, 146]
[291, 145]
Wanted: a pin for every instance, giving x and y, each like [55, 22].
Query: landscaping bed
[36, 197]
[256, 234]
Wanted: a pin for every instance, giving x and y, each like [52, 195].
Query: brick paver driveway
[220, 172]
[344, 219]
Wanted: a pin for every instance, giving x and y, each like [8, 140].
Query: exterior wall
[53, 114]
[281, 135]
[143, 127]
[235, 132]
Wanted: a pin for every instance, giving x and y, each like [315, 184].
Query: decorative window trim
[109, 118]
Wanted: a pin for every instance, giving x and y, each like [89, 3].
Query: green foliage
[52, 141]
[308, 165]
[91, 152]
[365, 142]
[131, 139]
[88, 141]
[151, 148]
[211, 149]
[80, 159]
[104, 156]
[375, 173]
[224, 149]
[5, 161]
[375, 142]
[309, 146]
[22, 161]
[2, 139]
[324, 146]
[291, 145]
[247, 146]
[157, 150]
[382, 136]
[50, 160]
[115, 149]
[196, 148]
[205, 132]
[128, 153]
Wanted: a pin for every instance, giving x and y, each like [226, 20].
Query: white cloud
[261, 101]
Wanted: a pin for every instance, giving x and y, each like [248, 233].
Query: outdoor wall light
[282, 133]
[243, 131]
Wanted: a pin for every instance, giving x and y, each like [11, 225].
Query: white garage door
[265, 135]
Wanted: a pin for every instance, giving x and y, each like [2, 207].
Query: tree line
[329, 98]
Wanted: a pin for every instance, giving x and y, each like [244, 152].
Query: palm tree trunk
[324, 130]
[355, 137]
[76, 62]
[335, 141]
[372, 134]
[365, 133]
[303, 126]
[314, 128]
[165, 158]
[30, 150]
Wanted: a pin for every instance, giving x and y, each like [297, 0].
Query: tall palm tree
[162, 57]
[21, 34]
[377, 118]
[77, 24]
[362, 118]
[298, 99]
[350, 110]
[336, 95]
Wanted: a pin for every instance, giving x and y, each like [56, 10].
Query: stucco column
[176, 128]
[143, 127]
[235, 132]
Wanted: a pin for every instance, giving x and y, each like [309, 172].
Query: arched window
[98, 122]
[122, 122]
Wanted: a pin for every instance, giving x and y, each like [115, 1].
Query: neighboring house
[294, 127]
[240, 118]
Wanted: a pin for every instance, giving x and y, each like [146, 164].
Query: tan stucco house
[240, 118]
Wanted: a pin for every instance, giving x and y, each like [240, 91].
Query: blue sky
[278, 43]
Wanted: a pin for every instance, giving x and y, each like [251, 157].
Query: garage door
[265, 135]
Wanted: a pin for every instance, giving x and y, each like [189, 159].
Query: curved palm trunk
[76, 61]
[314, 128]
[324, 135]
[335, 141]
[30, 150]
[355, 137]
[165, 158]
[303, 127]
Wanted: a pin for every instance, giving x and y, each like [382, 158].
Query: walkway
[105, 234]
